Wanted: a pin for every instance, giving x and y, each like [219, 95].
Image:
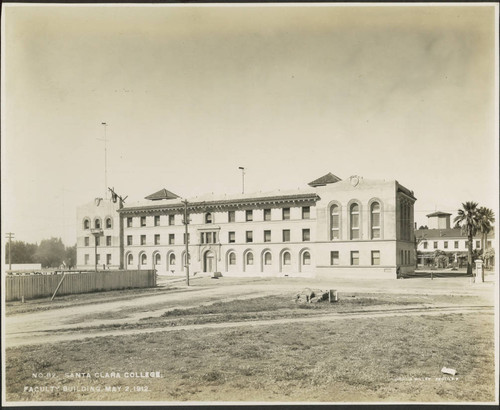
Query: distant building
[353, 227]
[440, 237]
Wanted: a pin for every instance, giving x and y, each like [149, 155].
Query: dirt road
[53, 325]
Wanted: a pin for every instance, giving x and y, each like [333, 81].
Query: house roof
[435, 234]
[438, 213]
[162, 194]
[324, 180]
[214, 201]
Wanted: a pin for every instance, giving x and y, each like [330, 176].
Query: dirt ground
[43, 321]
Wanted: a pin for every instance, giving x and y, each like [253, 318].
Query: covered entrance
[209, 261]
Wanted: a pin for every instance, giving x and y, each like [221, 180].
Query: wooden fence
[36, 286]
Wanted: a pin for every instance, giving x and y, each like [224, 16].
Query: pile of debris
[316, 295]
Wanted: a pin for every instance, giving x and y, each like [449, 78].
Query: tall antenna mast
[105, 161]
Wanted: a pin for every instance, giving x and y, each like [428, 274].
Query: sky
[290, 92]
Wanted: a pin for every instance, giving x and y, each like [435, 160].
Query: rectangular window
[87, 241]
[306, 212]
[306, 235]
[98, 260]
[129, 239]
[354, 258]
[171, 219]
[445, 243]
[478, 244]
[143, 221]
[249, 236]
[143, 239]
[375, 257]
[456, 244]
[129, 222]
[267, 214]
[157, 239]
[157, 220]
[286, 213]
[425, 245]
[98, 240]
[171, 238]
[286, 235]
[435, 245]
[185, 238]
[87, 258]
[108, 259]
[231, 237]
[108, 240]
[248, 215]
[334, 257]
[231, 216]
[267, 236]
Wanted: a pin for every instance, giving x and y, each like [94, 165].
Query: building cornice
[219, 205]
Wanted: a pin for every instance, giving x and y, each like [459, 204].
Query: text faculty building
[355, 227]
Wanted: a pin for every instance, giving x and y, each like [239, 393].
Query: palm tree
[468, 219]
[486, 220]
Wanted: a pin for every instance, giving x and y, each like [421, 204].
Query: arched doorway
[209, 261]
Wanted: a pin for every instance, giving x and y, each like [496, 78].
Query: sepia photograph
[249, 203]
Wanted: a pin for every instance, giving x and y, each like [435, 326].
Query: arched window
[375, 220]
[108, 223]
[208, 218]
[335, 222]
[86, 223]
[97, 224]
[232, 258]
[249, 258]
[157, 259]
[268, 258]
[287, 259]
[306, 258]
[144, 259]
[130, 259]
[354, 221]
[171, 259]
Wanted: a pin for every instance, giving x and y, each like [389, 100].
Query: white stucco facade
[353, 227]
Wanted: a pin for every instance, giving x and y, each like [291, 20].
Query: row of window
[108, 223]
[97, 240]
[268, 258]
[355, 221]
[231, 217]
[213, 237]
[354, 258]
[231, 258]
[456, 244]
[108, 259]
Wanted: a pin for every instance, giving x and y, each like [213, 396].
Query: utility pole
[115, 197]
[10, 236]
[186, 223]
[105, 160]
[242, 179]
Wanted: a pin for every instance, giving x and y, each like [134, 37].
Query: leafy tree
[423, 227]
[51, 252]
[468, 221]
[70, 257]
[21, 252]
[486, 220]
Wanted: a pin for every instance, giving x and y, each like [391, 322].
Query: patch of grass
[377, 359]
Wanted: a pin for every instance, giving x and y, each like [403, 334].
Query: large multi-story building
[352, 227]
